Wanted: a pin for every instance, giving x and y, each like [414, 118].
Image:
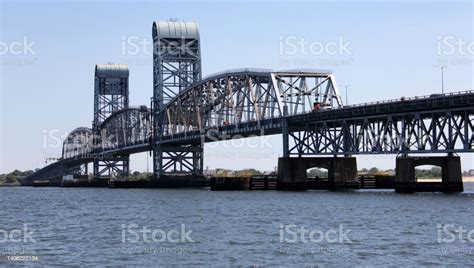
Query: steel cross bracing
[125, 128]
[448, 131]
[303, 105]
[423, 124]
[78, 143]
[176, 66]
[431, 124]
[111, 95]
[440, 124]
[248, 95]
[110, 91]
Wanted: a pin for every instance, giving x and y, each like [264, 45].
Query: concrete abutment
[451, 174]
[342, 172]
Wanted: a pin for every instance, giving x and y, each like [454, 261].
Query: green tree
[317, 173]
[373, 170]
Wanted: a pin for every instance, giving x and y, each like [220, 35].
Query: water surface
[87, 226]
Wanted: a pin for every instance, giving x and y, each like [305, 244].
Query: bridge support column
[292, 171]
[179, 166]
[176, 165]
[116, 168]
[78, 170]
[451, 175]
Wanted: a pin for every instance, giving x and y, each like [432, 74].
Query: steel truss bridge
[303, 105]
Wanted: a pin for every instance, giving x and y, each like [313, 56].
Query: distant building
[270, 173]
[470, 173]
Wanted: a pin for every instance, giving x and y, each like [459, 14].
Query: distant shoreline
[464, 179]
[468, 179]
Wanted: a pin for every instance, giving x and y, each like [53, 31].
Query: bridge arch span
[248, 95]
[126, 127]
[78, 142]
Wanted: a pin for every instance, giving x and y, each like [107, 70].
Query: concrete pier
[342, 172]
[451, 175]
[229, 183]
[184, 181]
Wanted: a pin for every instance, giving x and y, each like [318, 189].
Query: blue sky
[392, 49]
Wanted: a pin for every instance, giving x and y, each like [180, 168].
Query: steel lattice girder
[240, 96]
[124, 128]
[111, 95]
[78, 143]
[426, 115]
[116, 168]
[111, 92]
[176, 59]
[446, 131]
[176, 66]
[81, 169]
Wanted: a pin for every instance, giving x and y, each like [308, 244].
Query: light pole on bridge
[442, 67]
[347, 98]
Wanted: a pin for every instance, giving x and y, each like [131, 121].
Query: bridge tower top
[111, 92]
[176, 59]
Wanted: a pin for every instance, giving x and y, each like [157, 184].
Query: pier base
[451, 175]
[185, 181]
[229, 183]
[342, 172]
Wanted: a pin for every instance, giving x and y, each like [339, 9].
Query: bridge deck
[461, 103]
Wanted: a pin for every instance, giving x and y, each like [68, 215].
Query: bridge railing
[435, 95]
[226, 98]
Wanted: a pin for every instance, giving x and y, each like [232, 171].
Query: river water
[165, 227]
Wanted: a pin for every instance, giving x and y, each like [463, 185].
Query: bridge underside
[292, 172]
[431, 131]
[180, 160]
[441, 125]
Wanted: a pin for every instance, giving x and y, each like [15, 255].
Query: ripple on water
[84, 226]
